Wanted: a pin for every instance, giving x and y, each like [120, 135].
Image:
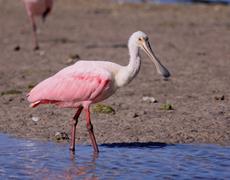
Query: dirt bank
[192, 41]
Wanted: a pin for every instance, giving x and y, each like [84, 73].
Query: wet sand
[192, 41]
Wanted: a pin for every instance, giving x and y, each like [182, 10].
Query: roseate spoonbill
[87, 82]
[37, 8]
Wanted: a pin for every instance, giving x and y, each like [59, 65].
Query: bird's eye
[139, 39]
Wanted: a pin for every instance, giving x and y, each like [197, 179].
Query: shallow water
[177, 1]
[29, 159]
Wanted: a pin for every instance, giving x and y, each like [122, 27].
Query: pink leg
[90, 129]
[36, 46]
[73, 130]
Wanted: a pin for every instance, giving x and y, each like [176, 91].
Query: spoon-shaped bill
[160, 68]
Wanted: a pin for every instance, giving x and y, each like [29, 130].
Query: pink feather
[37, 7]
[72, 86]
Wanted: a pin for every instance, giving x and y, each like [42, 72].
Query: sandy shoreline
[192, 41]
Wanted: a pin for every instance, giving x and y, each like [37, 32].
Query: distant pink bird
[37, 8]
[87, 82]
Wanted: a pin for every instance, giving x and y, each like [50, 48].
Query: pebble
[61, 136]
[35, 119]
[17, 48]
[149, 99]
[132, 114]
[72, 59]
[221, 97]
[42, 53]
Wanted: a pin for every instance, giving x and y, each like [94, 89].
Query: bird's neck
[134, 63]
[127, 73]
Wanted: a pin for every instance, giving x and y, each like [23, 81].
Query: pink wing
[70, 87]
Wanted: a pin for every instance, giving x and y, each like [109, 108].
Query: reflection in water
[77, 169]
[26, 159]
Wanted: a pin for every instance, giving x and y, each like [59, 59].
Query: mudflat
[192, 41]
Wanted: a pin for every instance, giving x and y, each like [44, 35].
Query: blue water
[177, 1]
[27, 159]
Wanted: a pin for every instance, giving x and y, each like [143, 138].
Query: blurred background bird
[37, 8]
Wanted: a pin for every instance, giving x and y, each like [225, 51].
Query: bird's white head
[140, 40]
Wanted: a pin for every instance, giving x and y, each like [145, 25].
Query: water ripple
[26, 159]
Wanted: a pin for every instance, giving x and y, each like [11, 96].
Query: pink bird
[87, 82]
[37, 8]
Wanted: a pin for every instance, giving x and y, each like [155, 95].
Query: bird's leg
[73, 130]
[36, 46]
[46, 12]
[90, 130]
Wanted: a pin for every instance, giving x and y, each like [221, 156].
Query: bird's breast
[107, 92]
